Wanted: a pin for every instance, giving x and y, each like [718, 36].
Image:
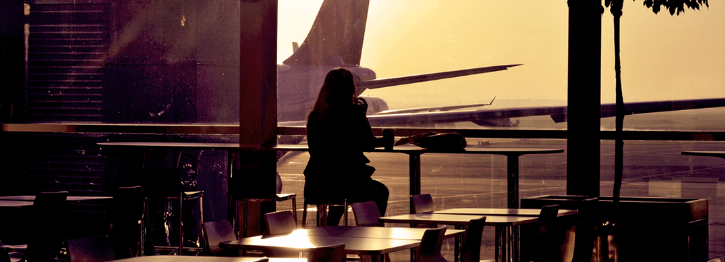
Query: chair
[280, 222]
[545, 249]
[332, 253]
[216, 232]
[322, 209]
[244, 186]
[471, 242]
[91, 249]
[430, 245]
[422, 203]
[127, 207]
[165, 184]
[367, 214]
[714, 260]
[47, 224]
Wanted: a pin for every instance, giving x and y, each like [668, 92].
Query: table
[374, 241]
[720, 154]
[69, 198]
[507, 246]
[413, 152]
[167, 258]
[501, 211]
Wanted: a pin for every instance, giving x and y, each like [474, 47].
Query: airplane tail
[336, 37]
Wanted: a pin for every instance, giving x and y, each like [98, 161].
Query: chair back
[216, 232]
[124, 216]
[548, 216]
[471, 242]
[430, 245]
[47, 233]
[91, 249]
[422, 203]
[280, 222]
[586, 236]
[331, 253]
[367, 214]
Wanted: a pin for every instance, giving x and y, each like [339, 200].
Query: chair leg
[304, 214]
[294, 208]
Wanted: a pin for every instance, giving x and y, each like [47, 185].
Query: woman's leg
[370, 190]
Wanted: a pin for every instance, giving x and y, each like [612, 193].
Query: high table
[501, 211]
[720, 154]
[414, 153]
[506, 246]
[69, 198]
[165, 258]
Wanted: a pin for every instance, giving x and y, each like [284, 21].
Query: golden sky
[663, 57]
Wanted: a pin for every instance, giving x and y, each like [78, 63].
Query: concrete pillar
[584, 97]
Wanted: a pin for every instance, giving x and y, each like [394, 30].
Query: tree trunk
[618, 141]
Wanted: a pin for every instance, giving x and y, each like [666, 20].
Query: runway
[651, 169]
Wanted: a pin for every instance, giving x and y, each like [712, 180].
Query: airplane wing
[404, 80]
[557, 113]
[431, 109]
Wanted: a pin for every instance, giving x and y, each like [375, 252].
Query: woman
[337, 134]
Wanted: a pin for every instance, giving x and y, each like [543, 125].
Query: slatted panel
[66, 52]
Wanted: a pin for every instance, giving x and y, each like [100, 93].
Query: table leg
[502, 254]
[515, 240]
[414, 167]
[512, 178]
[457, 247]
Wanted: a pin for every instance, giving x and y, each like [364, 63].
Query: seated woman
[337, 134]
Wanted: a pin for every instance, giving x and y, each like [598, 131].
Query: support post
[584, 97]
[257, 106]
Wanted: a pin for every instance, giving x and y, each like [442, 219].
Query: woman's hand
[361, 101]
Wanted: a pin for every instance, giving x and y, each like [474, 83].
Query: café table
[506, 245]
[720, 154]
[169, 258]
[69, 198]
[414, 153]
[502, 211]
[374, 241]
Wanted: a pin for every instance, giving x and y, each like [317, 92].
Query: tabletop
[399, 149]
[457, 220]
[14, 204]
[305, 243]
[501, 211]
[68, 198]
[372, 232]
[705, 153]
[165, 258]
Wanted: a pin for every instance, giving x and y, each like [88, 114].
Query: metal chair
[165, 184]
[471, 242]
[91, 249]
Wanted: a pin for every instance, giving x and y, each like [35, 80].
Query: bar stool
[243, 195]
[322, 209]
[165, 184]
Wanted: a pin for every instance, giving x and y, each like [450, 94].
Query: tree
[615, 7]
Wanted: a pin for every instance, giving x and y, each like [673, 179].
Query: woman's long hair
[337, 91]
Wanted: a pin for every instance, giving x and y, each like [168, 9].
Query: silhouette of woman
[337, 134]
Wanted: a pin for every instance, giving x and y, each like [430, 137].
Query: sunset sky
[663, 57]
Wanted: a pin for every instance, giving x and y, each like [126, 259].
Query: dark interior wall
[12, 60]
[173, 61]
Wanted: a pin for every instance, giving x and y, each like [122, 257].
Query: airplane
[336, 40]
